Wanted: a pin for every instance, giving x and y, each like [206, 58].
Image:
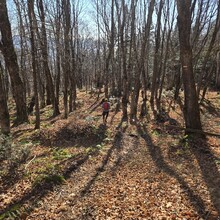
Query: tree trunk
[191, 106]
[10, 57]
[33, 53]
[123, 57]
[177, 82]
[205, 74]
[44, 46]
[66, 61]
[218, 71]
[133, 45]
[58, 51]
[22, 45]
[155, 78]
[144, 55]
[4, 114]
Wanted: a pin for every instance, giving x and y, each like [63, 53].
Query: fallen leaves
[131, 175]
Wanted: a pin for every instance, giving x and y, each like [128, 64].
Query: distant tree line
[135, 47]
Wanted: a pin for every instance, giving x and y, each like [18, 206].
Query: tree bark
[66, 61]
[10, 57]
[145, 54]
[155, 77]
[33, 53]
[191, 106]
[123, 57]
[205, 74]
[4, 114]
[218, 71]
[44, 46]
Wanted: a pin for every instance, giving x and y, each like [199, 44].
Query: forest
[157, 62]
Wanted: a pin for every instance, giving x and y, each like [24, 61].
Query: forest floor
[78, 168]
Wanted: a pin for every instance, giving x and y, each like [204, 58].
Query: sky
[87, 14]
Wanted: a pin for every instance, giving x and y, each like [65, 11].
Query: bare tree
[33, 53]
[44, 47]
[7, 48]
[144, 54]
[206, 74]
[155, 77]
[66, 61]
[122, 20]
[191, 108]
[23, 52]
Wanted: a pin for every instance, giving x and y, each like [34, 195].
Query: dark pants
[105, 115]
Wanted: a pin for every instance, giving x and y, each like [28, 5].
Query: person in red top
[105, 108]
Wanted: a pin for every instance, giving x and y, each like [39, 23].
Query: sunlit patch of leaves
[48, 113]
[155, 133]
[45, 125]
[90, 150]
[59, 154]
[108, 140]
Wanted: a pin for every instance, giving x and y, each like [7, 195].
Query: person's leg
[106, 117]
[103, 117]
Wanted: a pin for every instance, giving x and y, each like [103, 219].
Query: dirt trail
[121, 171]
[131, 178]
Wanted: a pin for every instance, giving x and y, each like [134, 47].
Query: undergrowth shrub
[13, 153]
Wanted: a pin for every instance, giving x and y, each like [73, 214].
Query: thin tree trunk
[211, 45]
[44, 45]
[205, 88]
[57, 32]
[217, 83]
[33, 53]
[123, 56]
[155, 79]
[66, 67]
[145, 54]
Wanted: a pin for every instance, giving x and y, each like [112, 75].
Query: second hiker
[105, 108]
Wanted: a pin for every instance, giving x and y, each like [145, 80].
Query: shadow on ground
[72, 135]
[68, 136]
[206, 164]
[117, 145]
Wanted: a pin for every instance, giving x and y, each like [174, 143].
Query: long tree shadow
[117, 144]
[20, 132]
[213, 110]
[210, 172]
[13, 174]
[71, 135]
[156, 154]
[113, 116]
[95, 105]
[41, 189]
